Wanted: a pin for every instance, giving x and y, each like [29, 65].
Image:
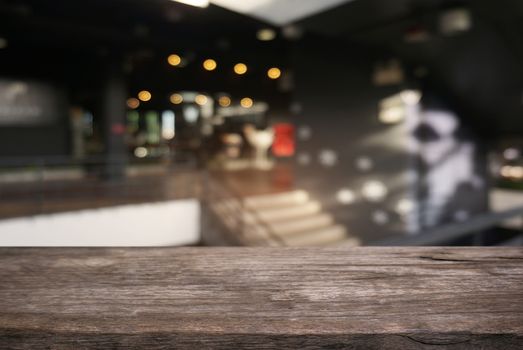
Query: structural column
[113, 114]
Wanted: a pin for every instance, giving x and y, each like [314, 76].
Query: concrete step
[291, 216]
[268, 201]
[318, 237]
[297, 225]
[289, 213]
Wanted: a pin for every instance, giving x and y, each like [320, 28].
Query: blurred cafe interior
[261, 122]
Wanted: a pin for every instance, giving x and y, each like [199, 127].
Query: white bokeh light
[304, 133]
[328, 158]
[374, 191]
[191, 114]
[405, 206]
[304, 159]
[511, 154]
[364, 164]
[141, 152]
[345, 196]
[380, 217]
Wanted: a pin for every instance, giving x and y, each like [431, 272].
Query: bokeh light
[247, 102]
[240, 68]
[266, 34]
[210, 64]
[345, 196]
[201, 100]
[511, 154]
[145, 95]
[274, 73]
[328, 158]
[176, 99]
[224, 101]
[380, 217]
[405, 206]
[304, 132]
[374, 191]
[133, 103]
[364, 164]
[174, 60]
[304, 159]
[141, 152]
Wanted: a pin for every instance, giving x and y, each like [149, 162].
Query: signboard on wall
[284, 142]
[25, 103]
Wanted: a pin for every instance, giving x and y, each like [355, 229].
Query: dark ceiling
[479, 71]
[75, 42]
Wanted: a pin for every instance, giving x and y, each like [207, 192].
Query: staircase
[282, 219]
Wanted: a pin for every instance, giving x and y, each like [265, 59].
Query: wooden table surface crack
[261, 298]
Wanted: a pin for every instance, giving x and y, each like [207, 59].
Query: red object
[284, 142]
[118, 129]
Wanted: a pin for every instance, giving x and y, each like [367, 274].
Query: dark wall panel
[33, 119]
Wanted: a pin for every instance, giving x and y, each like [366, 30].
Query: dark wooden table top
[233, 298]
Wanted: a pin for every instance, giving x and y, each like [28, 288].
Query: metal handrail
[232, 192]
[453, 231]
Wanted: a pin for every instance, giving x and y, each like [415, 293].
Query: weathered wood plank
[208, 298]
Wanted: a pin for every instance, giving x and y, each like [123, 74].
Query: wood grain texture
[252, 298]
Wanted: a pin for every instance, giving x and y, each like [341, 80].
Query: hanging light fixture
[196, 3]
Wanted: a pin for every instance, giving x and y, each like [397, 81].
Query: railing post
[243, 211]
[41, 179]
[204, 203]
